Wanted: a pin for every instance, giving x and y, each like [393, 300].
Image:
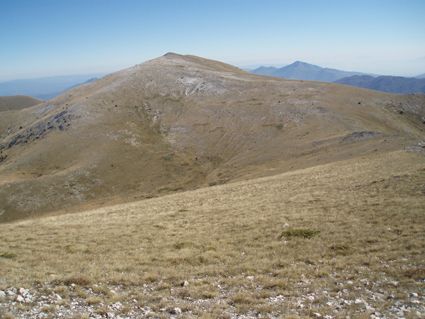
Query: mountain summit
[181, 122]
[304, 71]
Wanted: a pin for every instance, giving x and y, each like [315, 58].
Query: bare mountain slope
[181, 122]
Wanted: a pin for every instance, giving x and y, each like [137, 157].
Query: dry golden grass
[349, 228]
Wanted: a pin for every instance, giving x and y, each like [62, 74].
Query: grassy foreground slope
[339, 239]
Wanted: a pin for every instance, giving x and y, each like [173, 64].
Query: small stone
[369, 307]
[10, 293]
[2, 294]
[414, 295]
[19, 298]
[185, 283]
[58, 297]
[317, 315]
[250, 278]
[22, 291]
[117, 306]
[175, 311]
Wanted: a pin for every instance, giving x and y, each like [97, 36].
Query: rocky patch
[418, 148]
[360, 136]
[355, 297]
[59, 121]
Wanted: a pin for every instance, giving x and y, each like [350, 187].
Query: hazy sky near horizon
[56, 37]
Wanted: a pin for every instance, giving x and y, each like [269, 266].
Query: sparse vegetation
[77, 280]
[8, 315]
[8, 255]
[279, 126]
[93, 300]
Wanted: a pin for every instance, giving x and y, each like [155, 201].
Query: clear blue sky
[52, 37]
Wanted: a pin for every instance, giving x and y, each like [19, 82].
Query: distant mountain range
[392, 84]
[305, 71]
[46, 87]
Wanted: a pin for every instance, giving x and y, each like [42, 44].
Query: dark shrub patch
[298, 232]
